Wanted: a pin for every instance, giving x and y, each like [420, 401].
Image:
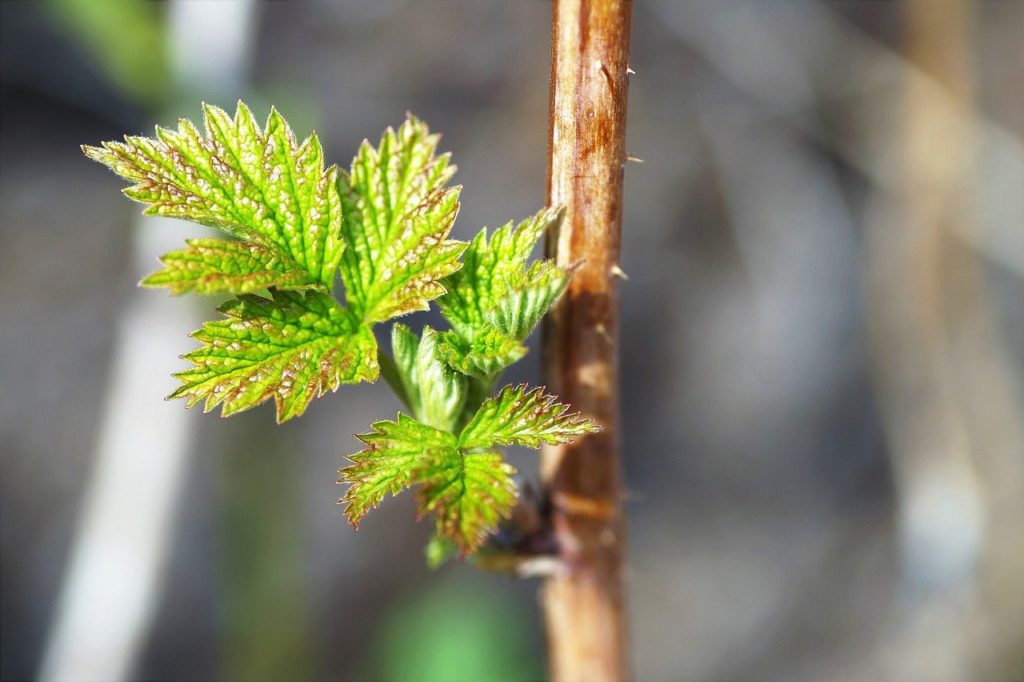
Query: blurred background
[822, 342]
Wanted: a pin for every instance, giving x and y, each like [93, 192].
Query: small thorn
[602, 331]
[630, 72]
[634, 159]
[619, 272]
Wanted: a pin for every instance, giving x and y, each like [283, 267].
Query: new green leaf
[433, 390]
[529, 295]
[483, 355]
[397, 215]
[388, 464]
[260, 186]
[214, 266]
[469, 495]
[462, 482]
[291, 348]
[384, 227]
[475, 290]
[520, 416]
[496, 300]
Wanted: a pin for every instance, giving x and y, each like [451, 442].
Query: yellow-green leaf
[261, 186]
[291, 348]
[519, 415]
[469, 496]
[214, 266]
[396, 220]
[392, 458]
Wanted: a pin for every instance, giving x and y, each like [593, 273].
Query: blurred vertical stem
[944, 374]
[584, 603]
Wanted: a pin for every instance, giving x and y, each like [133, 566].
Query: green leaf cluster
[461, 479]
[295, 225]
[497, 298]
[292, 228]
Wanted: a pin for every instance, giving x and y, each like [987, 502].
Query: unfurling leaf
[529, 295]
[434, 391]
[292, 348]
[396, 219]
[496, 300]
[487, 265]
[484, 355]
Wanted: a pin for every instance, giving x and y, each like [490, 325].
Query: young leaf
[260, 186]
[484, 355]
[519, 416]
[291, 348]
[469, 494]
[214, 266]
[399, 373]
[529, 296]
[435, 392]
[396, 219]
[495, 301]
[390, 462]
[467, 490]
[477, 288]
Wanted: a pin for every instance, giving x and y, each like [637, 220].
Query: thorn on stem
[607, 74]
[619, 272]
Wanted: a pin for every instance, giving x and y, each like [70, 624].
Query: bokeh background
[822, 340]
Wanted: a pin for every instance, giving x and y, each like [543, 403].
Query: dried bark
[584, 602]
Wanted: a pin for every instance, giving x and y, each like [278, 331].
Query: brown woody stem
[584, 601]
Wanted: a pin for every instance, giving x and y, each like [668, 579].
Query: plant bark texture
[584, 603]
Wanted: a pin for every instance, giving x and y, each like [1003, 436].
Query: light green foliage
[523, 416]
[487, 264]
[469, 494]
[496, 300]
[292, 348]
[214, 266]
[529, 295]
[468, 487]
[259, 186]
[485, 354]
[293, 226]
[434, 391]
[396, 219]
[395, 453]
